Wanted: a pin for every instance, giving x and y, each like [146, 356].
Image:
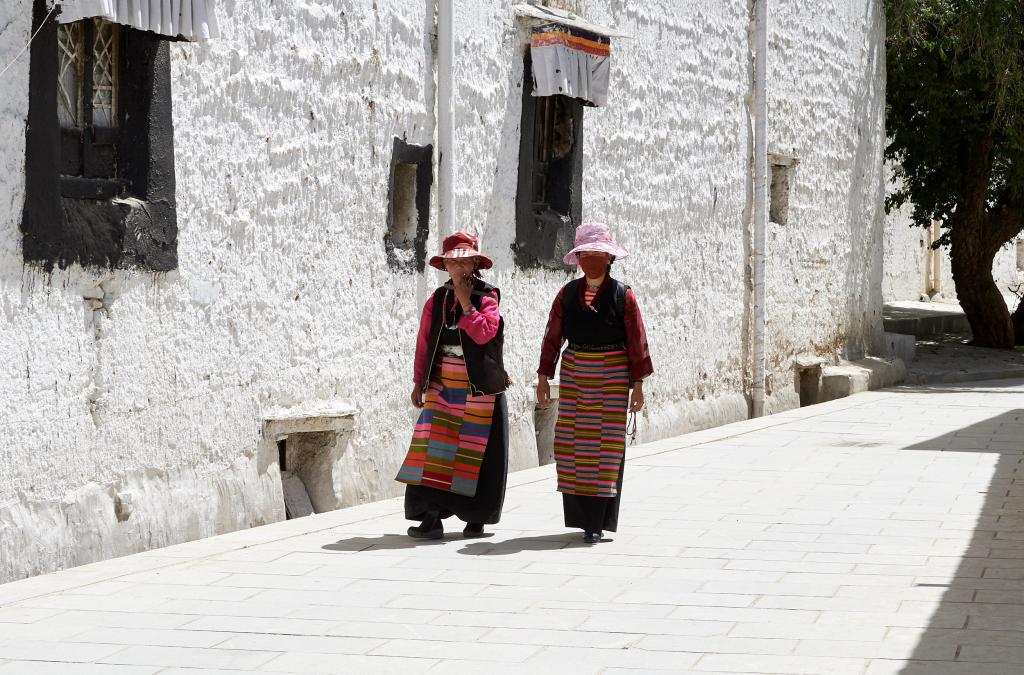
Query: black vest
[603, 323]
[485, 363]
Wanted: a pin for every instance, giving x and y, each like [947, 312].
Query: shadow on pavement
[982, 607]
[386, 542]
[549, 542]
[965, 388]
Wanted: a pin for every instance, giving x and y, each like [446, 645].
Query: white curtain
[190, 19]
[570, 62]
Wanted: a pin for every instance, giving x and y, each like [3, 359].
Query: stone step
[859, 376]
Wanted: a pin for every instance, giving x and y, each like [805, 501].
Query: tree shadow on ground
[548, 542]
[980, 618]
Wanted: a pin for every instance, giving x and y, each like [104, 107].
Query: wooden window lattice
[72, 83]
[71, 60]
[104, 74]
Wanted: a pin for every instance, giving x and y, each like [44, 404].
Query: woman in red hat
[457, 461]
[602, 377]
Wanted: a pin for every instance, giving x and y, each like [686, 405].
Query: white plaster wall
[826, 107]
[283, 133]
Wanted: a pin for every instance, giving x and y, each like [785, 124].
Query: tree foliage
[955, 120]
[955, 77]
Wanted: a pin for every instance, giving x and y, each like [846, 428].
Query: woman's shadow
[386, 542]
[549, 542]
[397, 542]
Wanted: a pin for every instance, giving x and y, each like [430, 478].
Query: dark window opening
[778, 191]
[549, 199]
[99, 151]
[412, 175]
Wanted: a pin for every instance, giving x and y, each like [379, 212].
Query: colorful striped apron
[451, 434]
[590, 433]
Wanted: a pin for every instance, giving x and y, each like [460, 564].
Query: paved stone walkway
[874, 535]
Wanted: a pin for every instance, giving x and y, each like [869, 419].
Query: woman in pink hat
[602, 376]
[457, 461]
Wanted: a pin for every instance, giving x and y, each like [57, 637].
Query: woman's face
[460, 268]
[594, 263]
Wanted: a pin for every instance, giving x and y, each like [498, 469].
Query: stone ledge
[312, 417]
[922, 319]
[860, 376]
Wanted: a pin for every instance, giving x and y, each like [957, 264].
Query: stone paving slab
[874, 535]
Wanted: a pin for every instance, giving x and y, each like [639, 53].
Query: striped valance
[189, 19]
[571, 56]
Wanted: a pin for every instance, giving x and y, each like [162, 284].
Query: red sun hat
[460, 245]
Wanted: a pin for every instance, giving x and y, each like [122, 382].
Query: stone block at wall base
[859, 376]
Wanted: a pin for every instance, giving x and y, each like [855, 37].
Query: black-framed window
[549, 198]
[99, 151]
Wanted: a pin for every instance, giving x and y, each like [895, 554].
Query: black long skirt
[485, 506]
[594, 514]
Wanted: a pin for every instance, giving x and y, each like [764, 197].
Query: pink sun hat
[594, 237]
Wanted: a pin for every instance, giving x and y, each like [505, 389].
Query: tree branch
[1005, 223]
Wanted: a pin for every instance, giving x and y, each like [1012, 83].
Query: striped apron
[451, 433]
[590, 433]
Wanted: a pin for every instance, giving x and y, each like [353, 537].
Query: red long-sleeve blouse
[637, 350]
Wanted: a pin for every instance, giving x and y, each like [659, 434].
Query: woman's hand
[543, 392]
[463, 282]
[636, 397]
[417, 396]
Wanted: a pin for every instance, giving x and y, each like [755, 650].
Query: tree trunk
[971, 261]
[1018, 323]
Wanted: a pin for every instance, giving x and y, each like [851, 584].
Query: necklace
[453, 324]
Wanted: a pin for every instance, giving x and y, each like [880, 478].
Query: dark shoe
[430, 528]
[591, 537]
[473, 530]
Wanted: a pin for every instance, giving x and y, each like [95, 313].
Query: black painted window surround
[549, 198]
[99, 151]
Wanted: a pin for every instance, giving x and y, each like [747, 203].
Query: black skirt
[485, 506]
[594, 514]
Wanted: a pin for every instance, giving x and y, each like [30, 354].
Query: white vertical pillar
[760, 204]
[445, 146]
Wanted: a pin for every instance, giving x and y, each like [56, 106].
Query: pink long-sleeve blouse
[481, 326]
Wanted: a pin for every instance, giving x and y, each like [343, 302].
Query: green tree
[955, 119]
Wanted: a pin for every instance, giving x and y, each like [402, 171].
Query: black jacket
[603, 323]
[485, 363]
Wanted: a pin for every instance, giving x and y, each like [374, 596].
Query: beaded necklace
[452, 325]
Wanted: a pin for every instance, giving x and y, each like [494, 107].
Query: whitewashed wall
[283, 133]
